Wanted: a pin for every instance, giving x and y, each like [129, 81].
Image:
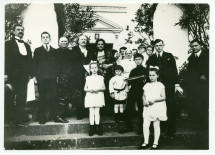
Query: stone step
[77, 127]
[110, 140]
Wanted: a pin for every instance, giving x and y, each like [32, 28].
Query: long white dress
[158, 110]
[94, 99]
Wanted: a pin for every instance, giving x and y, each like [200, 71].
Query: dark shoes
[98, 130]
[42, 121]
[91, 131]
[95, 129]
[79, 117]
[147, 146]
[154, 147]
[58, 119]
[22, 123]
[144, 146]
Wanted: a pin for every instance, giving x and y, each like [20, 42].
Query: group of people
[94, 78]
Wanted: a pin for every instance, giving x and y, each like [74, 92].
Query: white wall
[39, 18]
[175, 39]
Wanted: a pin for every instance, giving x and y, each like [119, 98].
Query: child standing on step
[154, 107]
[94, 98]
[118, 91]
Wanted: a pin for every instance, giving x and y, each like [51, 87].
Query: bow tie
[20, 41]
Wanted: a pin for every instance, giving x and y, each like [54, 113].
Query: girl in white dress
[94, 98]
[154, 107]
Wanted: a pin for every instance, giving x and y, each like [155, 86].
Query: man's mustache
[20, 33]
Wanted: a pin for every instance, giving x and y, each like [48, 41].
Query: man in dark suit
[65, 87]
[81, 56]
[46, 70]
[169, 77]
[198, 84]
[18, 59]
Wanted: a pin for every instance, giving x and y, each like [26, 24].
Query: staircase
[74, 135]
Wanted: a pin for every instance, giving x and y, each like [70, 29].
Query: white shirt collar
[161, 53]
[17, 38]
[83, 50]
[198, 53]
[44, 45]
[21, 46]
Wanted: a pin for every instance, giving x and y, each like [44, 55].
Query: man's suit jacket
[79, 60]
[167, 68]
[198, 66]
[45, 63]
[17, 66]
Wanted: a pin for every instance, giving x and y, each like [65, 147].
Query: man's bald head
[63, 42]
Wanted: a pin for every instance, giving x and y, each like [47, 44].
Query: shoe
[144, 146]
[121, 117]
[79, 117]
[91, 131]
[58, 119]
[41, 121]
[22, 123]
[154, 147]
[116, 118]
[98, 130]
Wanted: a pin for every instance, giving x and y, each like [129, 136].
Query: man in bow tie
[18, 60]
[169, 77]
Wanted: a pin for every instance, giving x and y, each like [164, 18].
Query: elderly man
[81, 55]
[18, 59]
[65, 82]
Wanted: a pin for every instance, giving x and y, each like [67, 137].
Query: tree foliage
[77, 18]
[196, 19]
[144, 18]
[72, 18]
[13, 17]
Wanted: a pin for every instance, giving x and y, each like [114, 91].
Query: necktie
[47, 49]
[159, 59]
[196, 55]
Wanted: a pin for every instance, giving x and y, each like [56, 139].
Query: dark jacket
[79, 60]
[198, 66]
[45, 64]
[137, 84]
[17, 66]
[167, 68]
[64, 57]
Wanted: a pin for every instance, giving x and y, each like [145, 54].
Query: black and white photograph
[106, 75]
